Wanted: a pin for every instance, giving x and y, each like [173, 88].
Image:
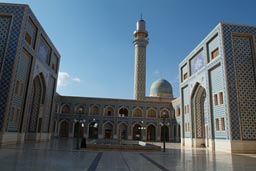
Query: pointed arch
[151, 113]
[165, 111]
[122, 129]
[43, 84]
[137, 131]
[94, 110]
[80, 108]
[123, 111]
[151, 132]
[108, 111]
[137, 112]
[65, 108]
[93, 128]
[198, 96]
[38, 96]
[108, 129]
[64, 128]
[195, 88]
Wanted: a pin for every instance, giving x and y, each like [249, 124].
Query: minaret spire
[140, 42]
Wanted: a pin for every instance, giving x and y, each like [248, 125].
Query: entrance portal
[198, 117]
[37, 100]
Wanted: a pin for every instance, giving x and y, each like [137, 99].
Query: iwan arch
[218, 88]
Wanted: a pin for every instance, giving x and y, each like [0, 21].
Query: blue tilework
[228, 29]
[198, 101]
[10, 54]
[51, 92]
[185, 101]
[212, 45]
[211, 42]
[5, 22]
[246, 89]
[22, 74]
[218, 111]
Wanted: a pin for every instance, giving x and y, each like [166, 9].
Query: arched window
[123, 112]
[177, 111]
[108, 111]
[65, 109]
[165, 113]
[94, 110]
[80, 109]
[151, 113]
[137, 113]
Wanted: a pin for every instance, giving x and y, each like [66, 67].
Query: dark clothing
[83, 143]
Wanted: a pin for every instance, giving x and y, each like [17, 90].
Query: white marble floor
[61, 155]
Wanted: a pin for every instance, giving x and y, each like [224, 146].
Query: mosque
[140, 118]
[216, 108]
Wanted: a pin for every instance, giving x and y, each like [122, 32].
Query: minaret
[140, 42]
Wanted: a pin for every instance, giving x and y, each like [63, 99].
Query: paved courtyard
[61, 155]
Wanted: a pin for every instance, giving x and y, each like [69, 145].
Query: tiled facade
[223, 66]
[27, 83]
[216, 107]
[111, 118]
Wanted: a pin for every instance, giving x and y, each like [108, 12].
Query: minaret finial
[140, 16]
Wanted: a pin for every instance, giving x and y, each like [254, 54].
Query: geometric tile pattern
[140, 72]
[218, 110]
[37, 92]
[5, 22]
[10, 54]
[233, 97]
[22, 74]
[199, 112]
[246, 85]
[48, 117]
[187, 117]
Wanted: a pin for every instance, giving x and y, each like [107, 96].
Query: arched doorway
[108, 130]
[64, 127]
[81, 131]
[151, 133]
[93, 130]
[38, 91]
[123, 131]
[165, 133]
[199, 128]
[137, 132]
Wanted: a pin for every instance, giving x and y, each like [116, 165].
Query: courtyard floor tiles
[60, 155]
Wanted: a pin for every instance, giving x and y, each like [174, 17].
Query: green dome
[161, 88]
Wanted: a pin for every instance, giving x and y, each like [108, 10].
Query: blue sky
[94, 38]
